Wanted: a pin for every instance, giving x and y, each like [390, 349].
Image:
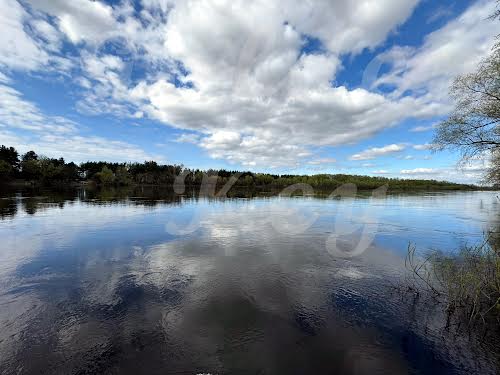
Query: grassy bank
[465, 282]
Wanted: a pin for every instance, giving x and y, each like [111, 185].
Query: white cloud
[441, 12]
[246, 80]
[426, 146]
[56, 136]
[469, 175]
[252, 93]
[381, 171]
[222, 140]
[475, 168]
[4, 78]
[28, 42]
[375, 152]
[419, 171]
[349, 26]
[454, 49]
[188, 138]
[322, 161]
[52, 38]
[79, 148]
[16, 112]
[251, 151]
[8, 138]
[81, 20]
[17, 49]
[423, 128]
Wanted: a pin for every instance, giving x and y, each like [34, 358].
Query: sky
[288, 86]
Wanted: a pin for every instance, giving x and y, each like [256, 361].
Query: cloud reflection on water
[104, 287]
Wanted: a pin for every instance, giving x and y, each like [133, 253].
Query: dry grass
[467, 281]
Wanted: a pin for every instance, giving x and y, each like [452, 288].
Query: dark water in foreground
[151, 283]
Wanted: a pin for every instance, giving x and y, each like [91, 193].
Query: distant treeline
[36, 169]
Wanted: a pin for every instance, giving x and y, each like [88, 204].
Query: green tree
[30, 155]
[31, 169]
[10, 156]
[70, 172]
[122, 176]
[51, 169]
[105, 176]
[248, 180]
[5, 169]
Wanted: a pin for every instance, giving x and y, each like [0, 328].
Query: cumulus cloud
[347, 26]
[429, 69]
[223, 74]
[251, 151]
[81, 20]
[381, 171]
[375, 152]
[256, 96]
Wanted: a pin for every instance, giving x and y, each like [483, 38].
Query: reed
[466, 281]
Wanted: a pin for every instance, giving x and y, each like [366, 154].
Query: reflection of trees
[33, 200]
[30, 205]
[8, 208]
[133, 195]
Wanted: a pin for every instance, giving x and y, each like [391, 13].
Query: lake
[147, 281]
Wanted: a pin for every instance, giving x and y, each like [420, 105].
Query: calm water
[148, 282]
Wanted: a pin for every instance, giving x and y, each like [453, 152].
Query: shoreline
[271, 188]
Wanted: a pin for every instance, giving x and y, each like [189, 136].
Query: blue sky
[281, 87]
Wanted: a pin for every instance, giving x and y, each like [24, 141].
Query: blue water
[150, 282]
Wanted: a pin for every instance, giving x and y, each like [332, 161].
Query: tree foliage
[10, 156]
[105, 176]
[5, 170]
[473, 127]
[43, 170]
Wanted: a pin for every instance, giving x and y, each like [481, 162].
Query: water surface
[156, 283]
